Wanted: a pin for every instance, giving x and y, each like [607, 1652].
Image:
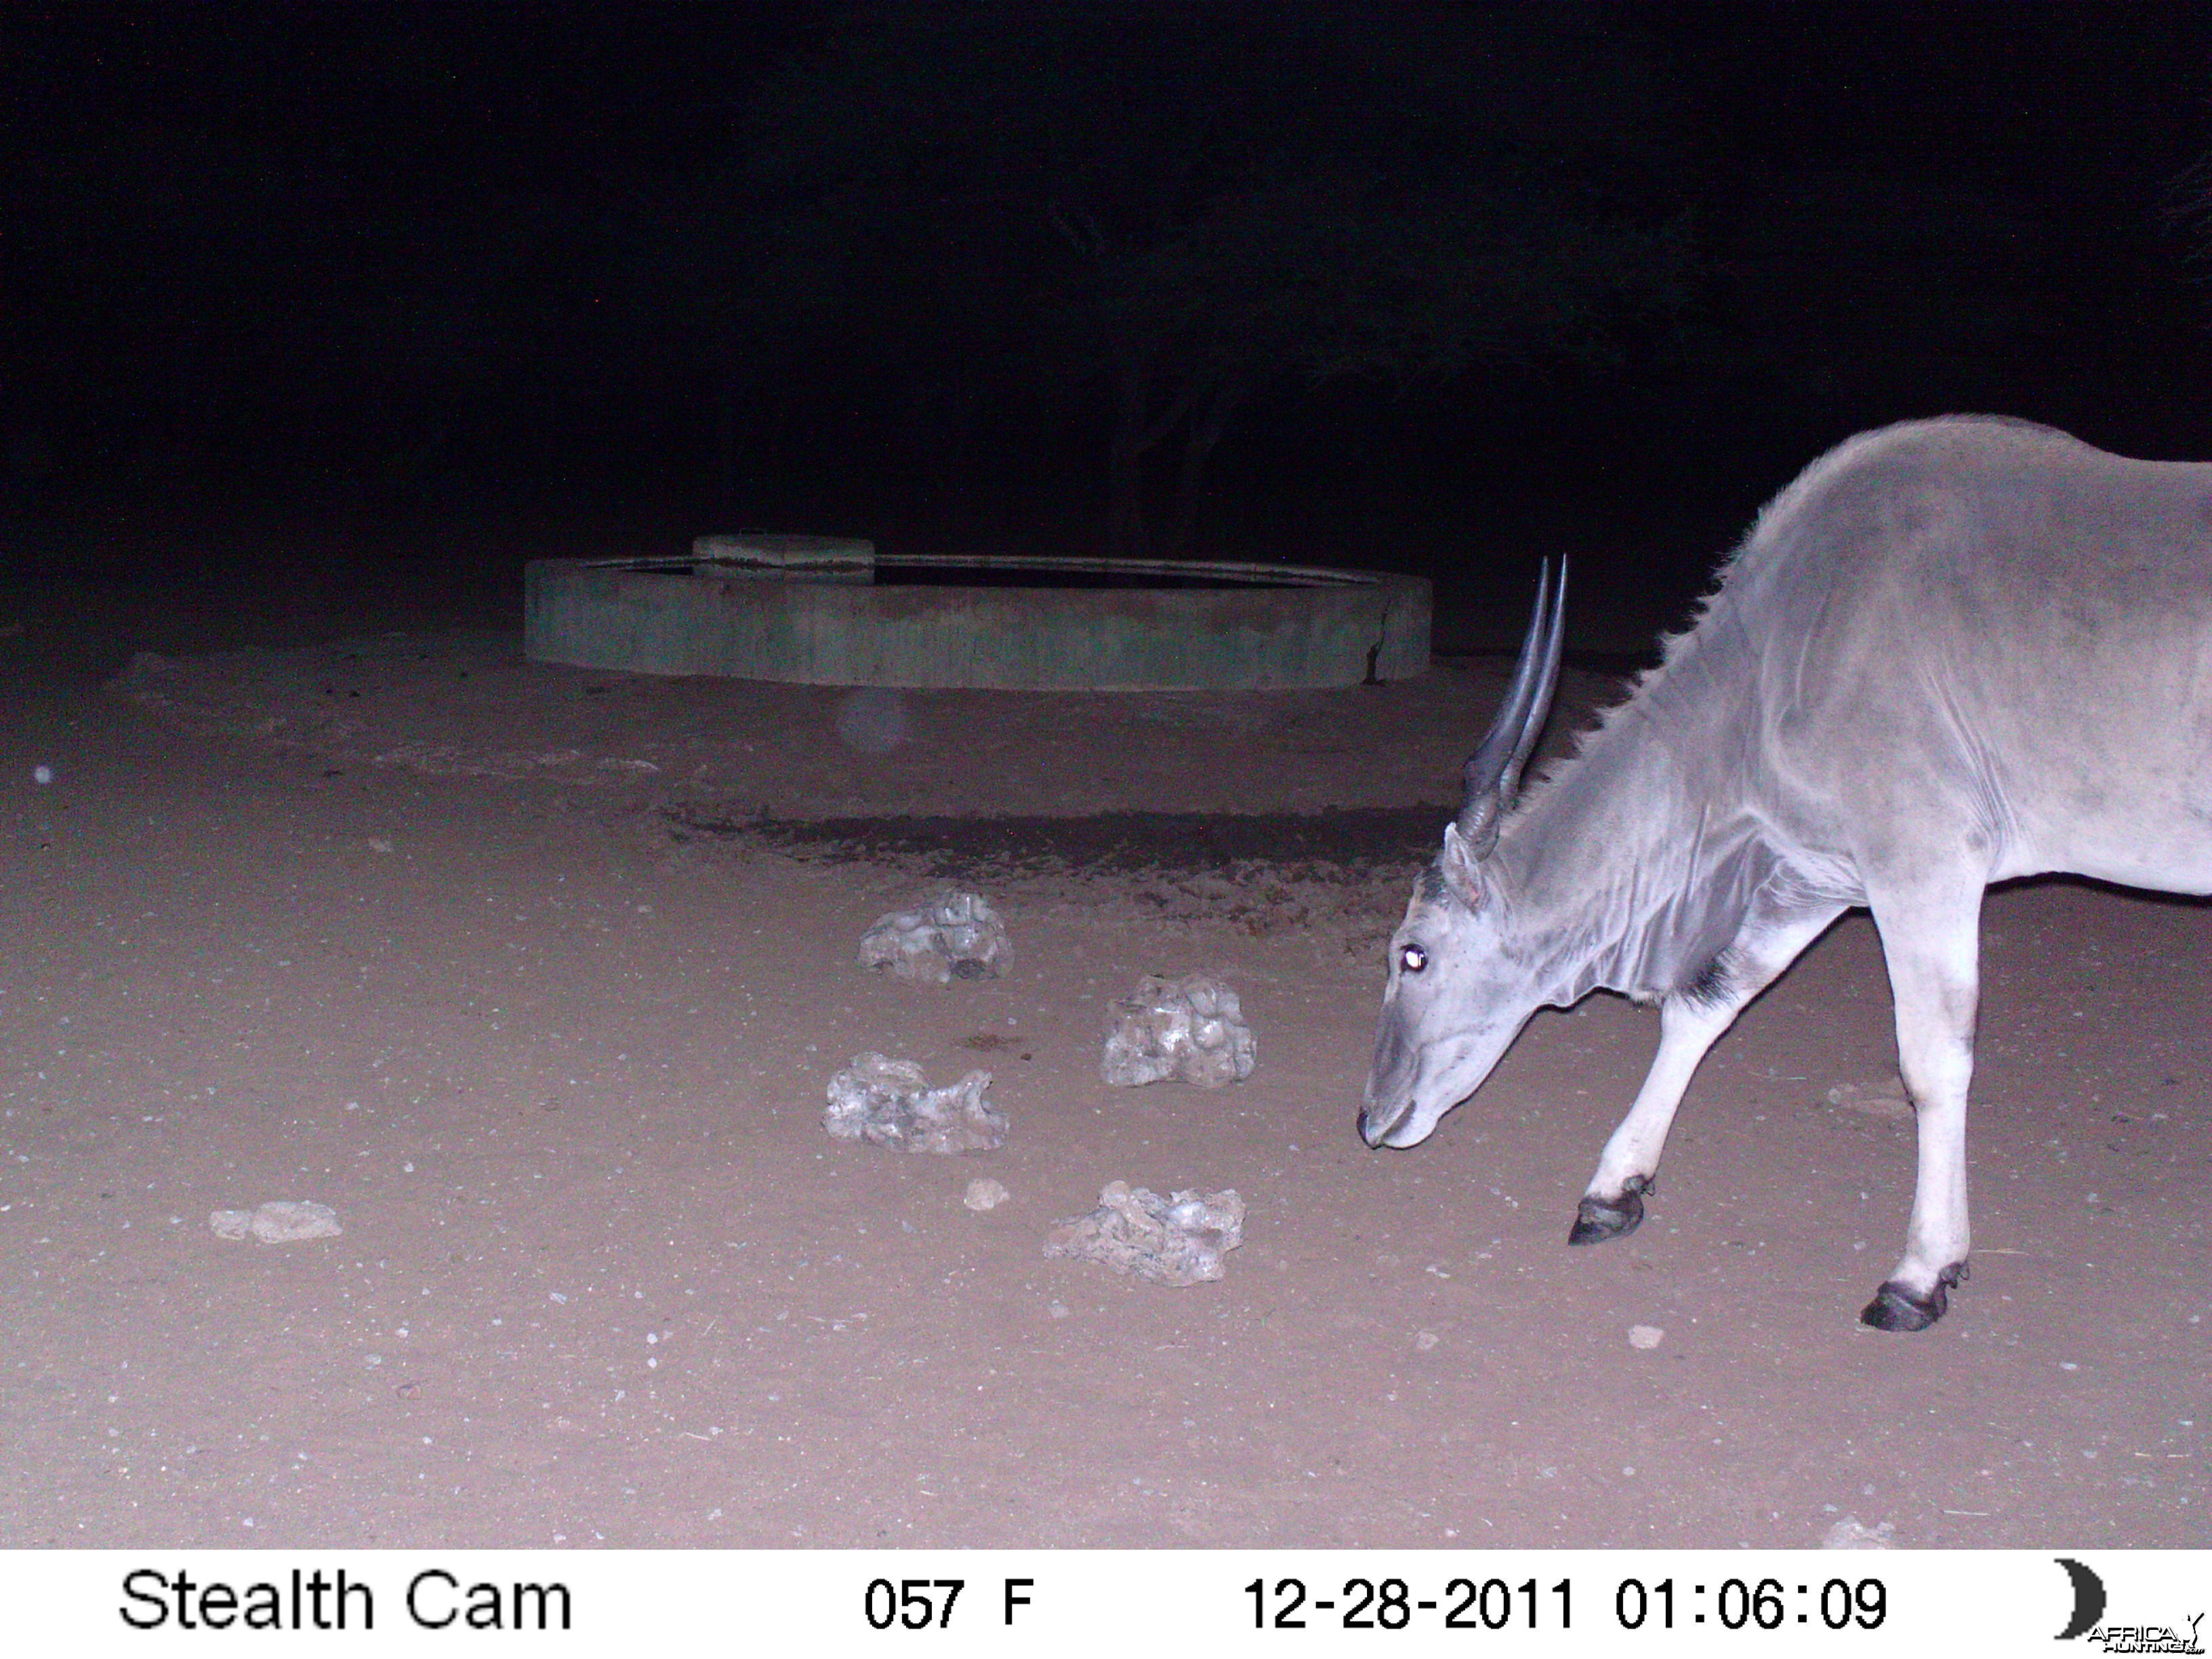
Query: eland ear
[1461, 869]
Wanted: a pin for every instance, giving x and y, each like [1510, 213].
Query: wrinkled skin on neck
[1461, 985]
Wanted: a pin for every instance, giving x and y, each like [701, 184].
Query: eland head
[1462, 979]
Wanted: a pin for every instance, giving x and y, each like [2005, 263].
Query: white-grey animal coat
[1951, 653]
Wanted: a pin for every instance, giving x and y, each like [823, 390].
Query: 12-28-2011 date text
[1496, 1604]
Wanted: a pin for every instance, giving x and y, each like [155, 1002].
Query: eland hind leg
[1930, 937]
[1690, 1023]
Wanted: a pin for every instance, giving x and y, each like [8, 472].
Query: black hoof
[1596, 1220]
[1896, 1309]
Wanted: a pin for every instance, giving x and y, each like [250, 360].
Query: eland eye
[1412, 959]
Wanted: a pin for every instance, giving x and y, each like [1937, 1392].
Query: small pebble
[280, 1221]
[1848, 1534]
[1645, 1336]
[984, 1194]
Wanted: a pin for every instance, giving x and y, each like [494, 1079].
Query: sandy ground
[536, 977]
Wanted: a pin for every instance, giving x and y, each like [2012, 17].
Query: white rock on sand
[280, 1221]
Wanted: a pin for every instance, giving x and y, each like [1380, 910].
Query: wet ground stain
[1354, 839]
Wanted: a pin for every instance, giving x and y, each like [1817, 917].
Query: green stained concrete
[813, 611]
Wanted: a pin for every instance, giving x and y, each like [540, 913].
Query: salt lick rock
[1191, 1028]
[949, 935]
[1177, 1240]
[889, 1102]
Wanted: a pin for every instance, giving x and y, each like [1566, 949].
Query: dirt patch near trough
[549, 1036]
[1106, 843]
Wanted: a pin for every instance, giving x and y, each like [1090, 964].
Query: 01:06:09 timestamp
[1767, 1604]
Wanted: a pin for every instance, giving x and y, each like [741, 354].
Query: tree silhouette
[1180, 207]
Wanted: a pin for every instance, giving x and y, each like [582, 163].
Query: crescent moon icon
[2088, 1599]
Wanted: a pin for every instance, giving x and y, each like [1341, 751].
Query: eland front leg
[1931, 939]
[1690, 1023]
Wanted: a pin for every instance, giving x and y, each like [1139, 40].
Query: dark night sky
[581, 272]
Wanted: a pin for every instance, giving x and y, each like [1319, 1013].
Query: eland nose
[1375, 1126]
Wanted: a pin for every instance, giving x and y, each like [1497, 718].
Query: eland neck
[1632, 865]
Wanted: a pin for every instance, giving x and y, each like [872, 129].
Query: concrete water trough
[816, 611]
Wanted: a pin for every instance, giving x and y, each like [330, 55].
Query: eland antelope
[1951, 652]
